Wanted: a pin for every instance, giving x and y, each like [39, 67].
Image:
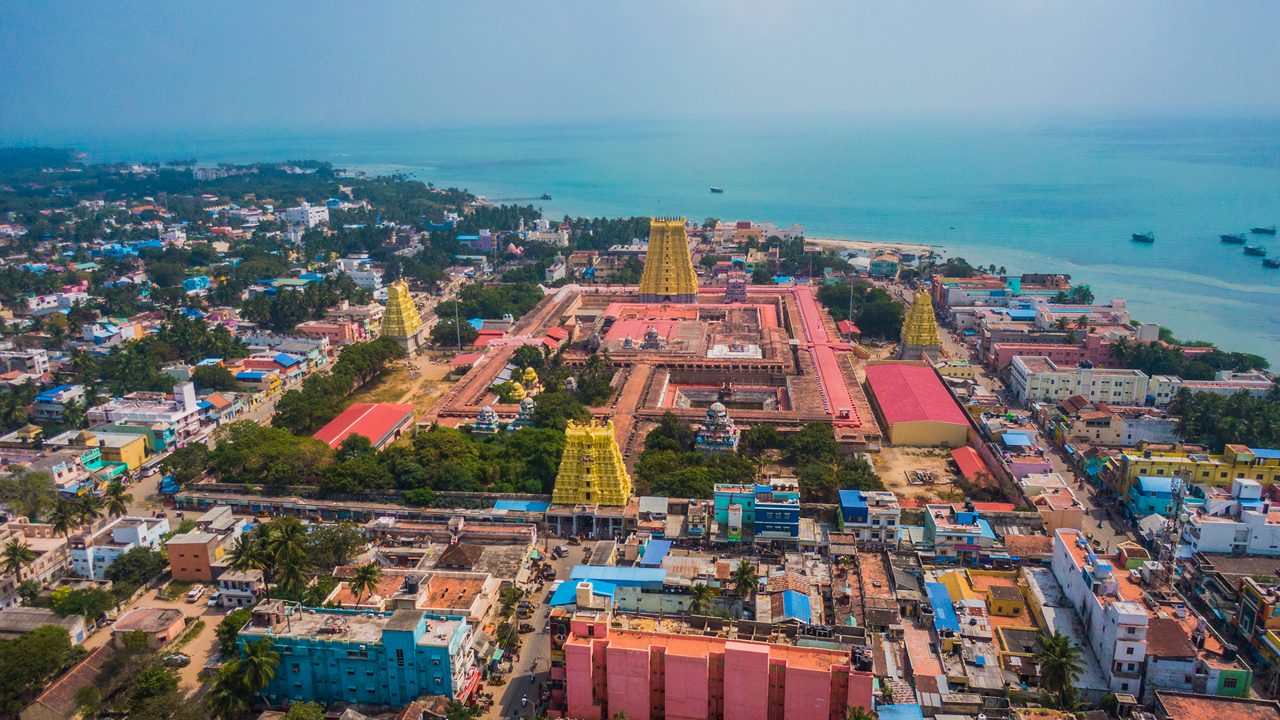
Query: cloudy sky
[92, 67]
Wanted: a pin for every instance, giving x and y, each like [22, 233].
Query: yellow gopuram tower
[591, 468]
[400, 320]
[668, 267]
[920, 329]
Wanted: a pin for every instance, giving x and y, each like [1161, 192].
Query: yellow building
[1236, 461]
[401, 320]
[591, 468]
[668, 267]
[131, 450]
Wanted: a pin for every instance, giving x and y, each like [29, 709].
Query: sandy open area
[421, 381]
[868, 246]
[892, 463]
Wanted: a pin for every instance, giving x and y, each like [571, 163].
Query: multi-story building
[872, 516]
[237, 589]
[51, 404]
[1077, 420]
[27, 362]
[609, 672]
[374, 658]
[956, 534]
[338, 332]
[1038, 378]
[181, 411]
[306, 214]
[771, 510]
[1235, 462]
[1257, 617]
[92, 554]
[1238, 521]
[51, 556]
[1153, 496]
[1225, 382]
[1059, 508]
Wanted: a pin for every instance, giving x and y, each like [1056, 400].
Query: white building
[241, 589]
[873, 516]
[556, 271]
[1237, 521]
[91, 555]
[181, 411]
[306, 214]
[1164, 387]
[361, 271]
[1037, 378]
[30, 362]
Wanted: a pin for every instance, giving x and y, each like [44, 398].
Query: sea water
[1047, 197]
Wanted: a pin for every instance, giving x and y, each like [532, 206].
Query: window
[294, 667]
[1228, 682]
[1131, 630]
[399, 658]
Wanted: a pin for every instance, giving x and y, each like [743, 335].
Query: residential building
[1153, 495]
[1239, 521]
[884, 265]
[956, 535]
[306, 214]
[159, 626]
[92, 554]
[237, 589]
[871, 516]
[27, 362]
[1038, 378]
[1225, 382]
[390, 659]
[192, 555]
[1257, 617]
[51, 404]
[51, 556]
[181, 411]
[338, 332]
[20, 620]
[610, 671]
[770, 510]
[1059, 508]
[1236, 461]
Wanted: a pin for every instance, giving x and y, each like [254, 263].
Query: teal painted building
[389, 659]
[771, 510]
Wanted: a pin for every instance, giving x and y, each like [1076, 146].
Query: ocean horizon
[1033, 197]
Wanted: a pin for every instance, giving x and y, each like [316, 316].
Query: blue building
[390, 659]
[771, 511]
[1152, 495]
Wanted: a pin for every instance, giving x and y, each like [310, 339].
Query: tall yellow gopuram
[400, 320]
[591, 468]
[668, 267]
[920, 329]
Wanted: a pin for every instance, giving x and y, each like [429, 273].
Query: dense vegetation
[282, 311]
[876, 313]
[1161, 359]
[1215, 420]
[323, 395]
[28, 661]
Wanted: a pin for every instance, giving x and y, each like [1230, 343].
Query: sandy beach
[869, 246]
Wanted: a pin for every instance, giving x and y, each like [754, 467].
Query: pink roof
[375, 421]
[464, 359]
[912, 393]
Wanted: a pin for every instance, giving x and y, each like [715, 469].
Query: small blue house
[1152, 495]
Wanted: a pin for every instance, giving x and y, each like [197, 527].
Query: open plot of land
[895, 463]
[421, 381]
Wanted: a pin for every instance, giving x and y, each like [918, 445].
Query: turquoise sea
[1049, 197]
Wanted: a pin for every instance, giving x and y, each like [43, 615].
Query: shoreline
[867, 246]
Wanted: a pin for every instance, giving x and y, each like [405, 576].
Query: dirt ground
[892, 463]
[421, 381]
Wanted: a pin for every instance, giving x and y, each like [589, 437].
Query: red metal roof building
[381, 423]
[914, 407]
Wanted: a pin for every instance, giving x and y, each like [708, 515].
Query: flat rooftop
[326, 625]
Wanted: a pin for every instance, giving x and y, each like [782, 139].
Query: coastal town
[292, 441]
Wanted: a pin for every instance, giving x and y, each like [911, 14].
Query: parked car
[214, 599]
[195, 593]
[176, 660]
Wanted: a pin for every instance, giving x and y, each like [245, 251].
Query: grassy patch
[190, 633]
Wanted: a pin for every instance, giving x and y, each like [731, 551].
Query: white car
[195, 593]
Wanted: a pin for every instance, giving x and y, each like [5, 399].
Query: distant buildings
[306, 215]
[181, 413]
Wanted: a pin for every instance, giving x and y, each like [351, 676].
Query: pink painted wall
[579, 681]
[808, 694]
[746, 681]
[628, 672]
[860, 689]
[687, 687]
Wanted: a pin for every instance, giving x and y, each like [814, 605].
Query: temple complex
[592, 476]
[668, 267]
[401, 321]
[524, 416]
[486, 421]
[717, 433]
[920, 329]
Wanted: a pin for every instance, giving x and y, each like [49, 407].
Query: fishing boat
[1146, 237]
[717, 191]
[545, 196]
[1263, 230]
[1233, 239]
[1271, 263]
[1255, 250]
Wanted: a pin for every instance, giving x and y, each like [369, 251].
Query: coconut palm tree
[15, 557]
[745, 579]
[287, 548]
[116, 500]
[1059, 662]
[365, 581]
[257, 665]
[699, 599]
[248, 553]
[88, 508]
[63, 518]
[227, 698]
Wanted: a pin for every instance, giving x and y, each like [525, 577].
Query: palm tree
[88, 508]
[116, 500]
[16, 556]
[365, 581]
[257, 665]
[857, 712]
[227, 698]
[745, 579]
[699, 599]
[248, 553]
[287, 547]
[1059, 662]
[63, 517]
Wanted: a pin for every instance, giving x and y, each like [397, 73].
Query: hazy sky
[93, 67]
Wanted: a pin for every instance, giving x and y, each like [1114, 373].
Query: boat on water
[1271, 263]
[1263, 230]
[545, 196]
[1233, 239]
[717, 191]
[1146, 237]
[1255, 250]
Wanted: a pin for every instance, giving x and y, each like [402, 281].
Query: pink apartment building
[691, 677]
